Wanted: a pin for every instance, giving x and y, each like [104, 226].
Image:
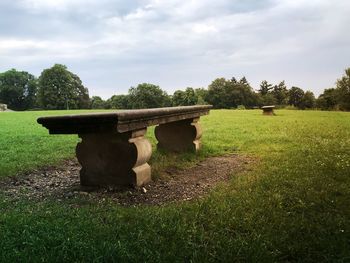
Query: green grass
[293, 206]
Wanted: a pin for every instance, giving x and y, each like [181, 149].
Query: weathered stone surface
[114, 159]
[121, 121]
[268, 110]
[3, 107]
[114, 151]
[180, 135]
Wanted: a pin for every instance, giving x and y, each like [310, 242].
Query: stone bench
[268, 110]
[113, 149]
[3, 107]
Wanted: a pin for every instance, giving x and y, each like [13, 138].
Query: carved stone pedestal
[179, 135]
[114, 159]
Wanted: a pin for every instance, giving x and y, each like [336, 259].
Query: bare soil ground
[61, 183]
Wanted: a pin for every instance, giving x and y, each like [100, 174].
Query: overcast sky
[114, 44]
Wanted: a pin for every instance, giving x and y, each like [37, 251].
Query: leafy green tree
[148, 96]
[336, 98]
[266, 95]
[190, 97]
[98, 103]
[224, 93]
[268, 99]
[178, 98]
[185, 98]
[119, 102]
[242, 81]
[219, 93]
[296, 97]
[280, 93]
[265, 87]
[61, 89]
[308, 101]
[18, 89]
[234, 80]
[81, 93]
[327, 100]
[343, 91]
[202, 95]
[243, 94]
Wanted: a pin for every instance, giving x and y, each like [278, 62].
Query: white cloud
[201, 28]
[178, 43]
[52, 4]
[11, 45]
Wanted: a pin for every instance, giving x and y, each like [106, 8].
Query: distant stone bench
[3, 107]
[268, 110]
[113, 149]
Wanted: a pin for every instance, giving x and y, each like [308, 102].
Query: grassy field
[292, 206]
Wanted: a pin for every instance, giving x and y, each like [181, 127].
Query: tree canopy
[223, 93]
[308, 101]
[98, 103]
[296, 96]
[265, 87]
[280, 93]
[343, 91]
[58, 88]
[18, 89]
[147, 95]
[119, 102]
[185, 98]
[327, 100]
[337, 98]
[61, 89]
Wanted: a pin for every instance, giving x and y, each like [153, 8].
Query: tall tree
[190, 97]
[119, 102]
[234, 80]
[185, 98]
[98, 103]
[81, 93]
[148, 96]
[268, 99]
[280, 92]
[224, 93]
[18, 89]
[343, 91]
[265, 87]
[61, 89]
[296, 96]
[219, 93]
[243, 81]
[178, 98]
[327, 100]
[308, 101]
[202, 95]
[243, 94]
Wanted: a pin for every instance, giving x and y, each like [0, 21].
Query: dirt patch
[61, 183]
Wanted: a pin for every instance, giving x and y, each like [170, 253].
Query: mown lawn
[292, 206]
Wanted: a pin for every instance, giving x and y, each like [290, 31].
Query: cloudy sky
[115, 44]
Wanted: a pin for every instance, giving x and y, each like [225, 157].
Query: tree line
[58, 88]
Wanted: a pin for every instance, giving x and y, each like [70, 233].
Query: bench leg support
[114, 159]
[179, 136]
[269, 113]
